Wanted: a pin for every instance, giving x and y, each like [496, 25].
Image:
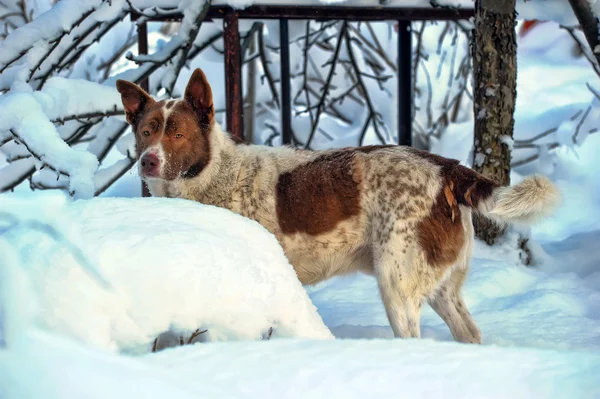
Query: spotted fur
[399, 214]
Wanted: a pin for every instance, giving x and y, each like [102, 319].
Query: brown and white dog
[397, 213]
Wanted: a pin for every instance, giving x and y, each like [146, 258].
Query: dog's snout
[149, 165]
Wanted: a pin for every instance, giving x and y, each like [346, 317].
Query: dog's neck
[215, 183]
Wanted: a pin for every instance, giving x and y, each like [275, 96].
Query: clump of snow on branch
[26, 119]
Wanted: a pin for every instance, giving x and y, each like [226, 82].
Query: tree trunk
[495, 73]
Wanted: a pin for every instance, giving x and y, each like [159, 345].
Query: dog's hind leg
[405, 280]
[450, 306]
[403, 309]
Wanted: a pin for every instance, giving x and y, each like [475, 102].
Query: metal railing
[232, 51]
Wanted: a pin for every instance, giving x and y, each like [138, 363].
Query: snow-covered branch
[59, 69]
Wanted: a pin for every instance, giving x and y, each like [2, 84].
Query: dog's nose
[150, 164]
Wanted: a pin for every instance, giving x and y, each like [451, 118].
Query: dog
[397, 213]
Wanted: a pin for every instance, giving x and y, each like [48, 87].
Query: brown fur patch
[469, 187]
[187, 154]
[441, 234]
[316, 196]
[135, 100]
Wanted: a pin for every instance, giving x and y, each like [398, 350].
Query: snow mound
[172, 265]
[296, 369]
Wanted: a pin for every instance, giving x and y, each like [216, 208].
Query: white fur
[160, 154]
[168, 111]
[525, 203]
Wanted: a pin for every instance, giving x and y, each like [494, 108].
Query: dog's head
[171, 136]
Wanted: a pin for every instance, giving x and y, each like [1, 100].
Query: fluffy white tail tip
[525, 203]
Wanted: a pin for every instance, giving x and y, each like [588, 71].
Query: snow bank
[297, 369]
[172, 265]
[383, 368]
[51, 367]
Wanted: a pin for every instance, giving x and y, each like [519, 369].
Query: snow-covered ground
[540, 324]
[299, 369]
[171, 265]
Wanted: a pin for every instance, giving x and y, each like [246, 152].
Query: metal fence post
[233, 75]
[286, 109]
[405, 88]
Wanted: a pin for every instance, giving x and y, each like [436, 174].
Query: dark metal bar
[405, 89]
[286, 109]
[233, 75]
[333, 12]
[143, 49]
[144, 84]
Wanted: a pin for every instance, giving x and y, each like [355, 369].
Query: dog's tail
[525, 203]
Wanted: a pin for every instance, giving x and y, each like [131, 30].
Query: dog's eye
[146, 133]
[178, 136]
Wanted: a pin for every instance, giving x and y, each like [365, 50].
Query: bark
[495, 73]
[589, 25]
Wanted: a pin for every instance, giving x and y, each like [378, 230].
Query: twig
[370, 106]
[89, 115]
[533, 157]
[377, 48]
[589, 24]
[583, 49]
[79, 50]
[270, 333]
[115, 177]
[363, 133]
[107, 65]
[429, 97]
[321, 102]
[185, 50]
[263, 60]
[154, 11]
[305, 73]
[55, 42]
[37, 156]
[195, 334]
[580, 123]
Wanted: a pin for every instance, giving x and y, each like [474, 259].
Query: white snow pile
[295, 369]
[171, 265]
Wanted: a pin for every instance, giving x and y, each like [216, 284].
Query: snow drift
[172, 265]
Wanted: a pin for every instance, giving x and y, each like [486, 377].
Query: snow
[82, 327]
[548, 306]
[172, 265]
[28, 115]
[47, 26]
[298, 369]
[24, 118]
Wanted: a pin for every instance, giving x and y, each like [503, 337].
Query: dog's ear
[198, 95]
[135, 100]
